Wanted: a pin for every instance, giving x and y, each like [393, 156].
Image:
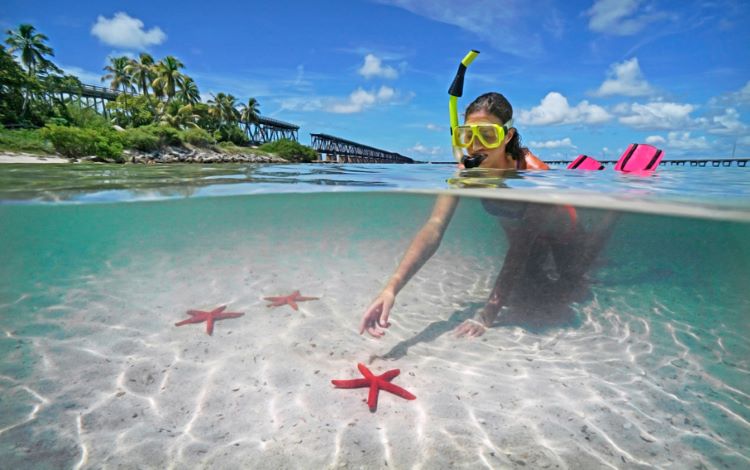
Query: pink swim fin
[584, 162]
[639, 157]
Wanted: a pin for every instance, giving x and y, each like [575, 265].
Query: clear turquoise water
[650, 367]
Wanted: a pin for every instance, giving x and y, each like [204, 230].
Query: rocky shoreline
[185, 155]
[165, 155]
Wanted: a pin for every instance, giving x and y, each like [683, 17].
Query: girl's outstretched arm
[422, 247]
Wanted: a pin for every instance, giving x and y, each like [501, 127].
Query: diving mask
[490, 135]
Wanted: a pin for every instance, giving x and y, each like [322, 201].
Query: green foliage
[167, 135]
[131, 111]
[58, 83]
[140, 138]
[290, 150]
[231, 134]
[77, 142]
[24, 140]
[80, 116]
[12, 80]
[33, 92]
[196, 136]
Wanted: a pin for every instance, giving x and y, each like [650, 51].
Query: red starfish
[290, 300]
[375, 382]
[198, 316]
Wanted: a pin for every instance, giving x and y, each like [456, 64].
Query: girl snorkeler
[535, 232]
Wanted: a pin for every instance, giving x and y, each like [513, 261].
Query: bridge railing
[353, 151]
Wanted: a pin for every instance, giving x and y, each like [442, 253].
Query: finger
[363, 323]
[375, 332]
[461, 330]
[384, 314]
[371, 312]
[477, 331]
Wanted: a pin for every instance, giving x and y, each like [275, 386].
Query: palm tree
[118, 74]
[142, 72]
[168, 76]
[224, 109]
[181, 118]
[188, 93]
[32, 48]
[250, 112]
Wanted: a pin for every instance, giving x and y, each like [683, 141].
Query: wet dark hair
[497, 105]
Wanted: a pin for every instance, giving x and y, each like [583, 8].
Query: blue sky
[583, 76]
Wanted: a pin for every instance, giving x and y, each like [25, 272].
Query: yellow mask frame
[490, 135]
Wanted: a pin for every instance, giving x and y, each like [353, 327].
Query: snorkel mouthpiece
[472, 161]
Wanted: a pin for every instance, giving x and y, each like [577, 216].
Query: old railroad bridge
[330, 149]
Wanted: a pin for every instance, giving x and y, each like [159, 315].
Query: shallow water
[648, 367]
[723, 187]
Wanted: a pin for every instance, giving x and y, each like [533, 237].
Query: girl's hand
[377, 315]
[470, 328]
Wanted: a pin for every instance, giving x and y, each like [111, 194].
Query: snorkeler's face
[493, 157]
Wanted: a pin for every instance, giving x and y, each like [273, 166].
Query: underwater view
[646, 365]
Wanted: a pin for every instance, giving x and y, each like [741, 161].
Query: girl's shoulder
[533, 162]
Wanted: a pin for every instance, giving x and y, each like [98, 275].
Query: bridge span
[333, 149]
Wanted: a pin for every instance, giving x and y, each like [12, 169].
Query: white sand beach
[12, 157]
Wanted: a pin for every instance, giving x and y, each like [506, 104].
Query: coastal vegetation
[157, 106]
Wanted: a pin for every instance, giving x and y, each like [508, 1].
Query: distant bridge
[88, 96]
[693, 162]
[335, 149]
[269, 130]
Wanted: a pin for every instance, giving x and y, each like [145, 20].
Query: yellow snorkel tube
[455, 91]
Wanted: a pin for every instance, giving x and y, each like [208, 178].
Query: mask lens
[463, 136]
[490, 135]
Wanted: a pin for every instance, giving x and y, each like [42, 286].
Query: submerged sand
[111, 382]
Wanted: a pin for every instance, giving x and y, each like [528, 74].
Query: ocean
[647, 365]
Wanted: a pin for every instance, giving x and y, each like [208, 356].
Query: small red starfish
[198, 316]
[290, 300]
[375, 382]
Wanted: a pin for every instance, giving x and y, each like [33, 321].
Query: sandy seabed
[103, 378]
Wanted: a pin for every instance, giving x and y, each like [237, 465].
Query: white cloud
[740, 97]
[679, 141]
[301, 103]
[726, 124]
[85, 76]
[423, 150]
[554, 144]
[555, 109]
[621, 17]
[744, 94]
[625, 79]
[124, 31]
[655, 140]
[386, 93]
[737, 98]
[656, 115]
[518, 20]
[436, 127]
[373, 67]
[359, 100]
